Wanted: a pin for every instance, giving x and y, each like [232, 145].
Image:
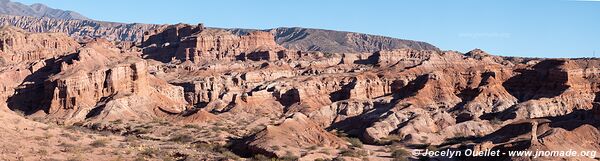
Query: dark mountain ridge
[37, 10]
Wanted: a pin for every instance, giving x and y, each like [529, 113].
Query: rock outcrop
[307, 39]
[24, 58]
[101, 82]
[278, 141]
[81, 30]
[198, 44]
[18, 46]
[302, 39]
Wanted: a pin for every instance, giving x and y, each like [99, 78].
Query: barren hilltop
[75, 89]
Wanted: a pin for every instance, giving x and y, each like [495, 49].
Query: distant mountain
[308, 39]
[40, 18]
[37, 10]
[80, 29]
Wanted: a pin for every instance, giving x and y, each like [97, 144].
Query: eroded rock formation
[100, 81]
[278, 141]
[190, 74]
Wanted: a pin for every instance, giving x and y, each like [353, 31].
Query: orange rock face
[99, 80]
[196, 43]
[18, 46]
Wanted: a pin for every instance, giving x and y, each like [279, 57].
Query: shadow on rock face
[545, 80]
[29, 97]
[568, 122]
[412, 87]
[549, 130]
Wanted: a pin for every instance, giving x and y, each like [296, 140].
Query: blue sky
[551, 28]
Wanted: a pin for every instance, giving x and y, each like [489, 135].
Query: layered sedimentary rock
[577, 131]
[303, 39]
[190, 74]
[564, 88]
[19, 46]
[198, 44]
[307, 39]
[418, 95]
[100, 81]
[81, 30]
[24, 58]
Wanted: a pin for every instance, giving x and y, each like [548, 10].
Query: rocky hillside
[77, 89]
[81, 30]
[307, 39]
[37, 10]
[293, 38]
[203, 93]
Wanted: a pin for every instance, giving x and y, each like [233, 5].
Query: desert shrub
[140, 130]
[168, 158]
[400, 153]
[161, 122]
[42, 152]
[219, 123]
[341, 134]
[260, 157]
[191, 126]
[182, 138]
[321, 159]
[496, 121]
[390, 139]
[74, 159]
[355, 142]
[289, 156]
[257, 129]
[229, 155]
[204, 147]
[19, 112]
[69, 136]
[140, 159]
[68, 147]
[48, 127]
[431, 148]
[354, 152]
[150, 152]
[220, 148]
[275, 147]
[339, 158]
[130, 138]
[217, 129]
[77, 157]
[325, 151]
[118, 121]
[401, 159]
[99, 143]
